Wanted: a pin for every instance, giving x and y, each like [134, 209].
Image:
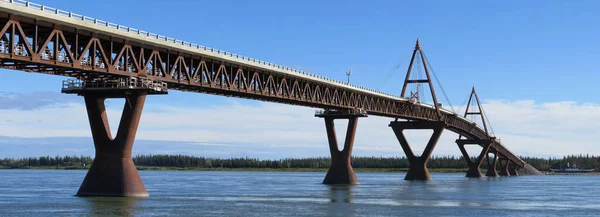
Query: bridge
[110, 60]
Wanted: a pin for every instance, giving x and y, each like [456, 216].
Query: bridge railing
[174, 40]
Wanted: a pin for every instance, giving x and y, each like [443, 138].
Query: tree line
[451, 162]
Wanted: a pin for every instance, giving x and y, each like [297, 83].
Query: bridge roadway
[41, 39]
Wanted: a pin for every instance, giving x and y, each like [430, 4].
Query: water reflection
[112, 206]
[340, 193]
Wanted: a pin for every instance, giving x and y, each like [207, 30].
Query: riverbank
[433, 170]
[369, 170]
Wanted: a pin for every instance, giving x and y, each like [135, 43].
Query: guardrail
[175, 41]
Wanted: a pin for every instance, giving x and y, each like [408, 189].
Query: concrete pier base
[113, 173]
[474, 172]
[341, 174]
[112, 176]
[417, 170]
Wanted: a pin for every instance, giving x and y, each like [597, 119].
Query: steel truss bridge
[100, 54]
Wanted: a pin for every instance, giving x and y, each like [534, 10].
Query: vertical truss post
[407, 80]
[417, 169]
[340, 171]
[474, 171]
[491, 164]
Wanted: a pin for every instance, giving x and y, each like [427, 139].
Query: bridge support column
[504, 167]
[474, 171]
[491, 165]
[340, 171]
[112, 172]
[417, 169]
[512, 170]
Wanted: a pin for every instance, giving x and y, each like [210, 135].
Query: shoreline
[250, 169]
[149, 168]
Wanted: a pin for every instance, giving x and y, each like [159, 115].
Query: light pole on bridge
[348, 73]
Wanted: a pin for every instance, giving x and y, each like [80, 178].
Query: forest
[183, 161]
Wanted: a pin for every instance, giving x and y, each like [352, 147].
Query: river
[187, 193]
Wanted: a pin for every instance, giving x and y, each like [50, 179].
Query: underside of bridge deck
[417, 169]
[341, 171]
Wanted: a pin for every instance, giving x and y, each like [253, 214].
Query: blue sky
[527, 59]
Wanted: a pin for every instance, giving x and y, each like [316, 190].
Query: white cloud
[526, 127]
[543, 129]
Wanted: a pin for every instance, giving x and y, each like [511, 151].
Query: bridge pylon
[408, 80]
[113, 173]
[417, 168]
[341, 171]
[474, 171]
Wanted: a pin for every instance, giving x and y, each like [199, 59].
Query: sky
[535, 65]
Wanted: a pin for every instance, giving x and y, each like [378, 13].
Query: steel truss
[33, 45]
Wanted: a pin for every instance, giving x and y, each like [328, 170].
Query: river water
[185, 193]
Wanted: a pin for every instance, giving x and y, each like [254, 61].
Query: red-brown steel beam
[417, 169]
[113, 173]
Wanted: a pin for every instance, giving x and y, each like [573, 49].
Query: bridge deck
[47, 40]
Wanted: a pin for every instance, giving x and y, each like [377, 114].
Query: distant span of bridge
[109, 60]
